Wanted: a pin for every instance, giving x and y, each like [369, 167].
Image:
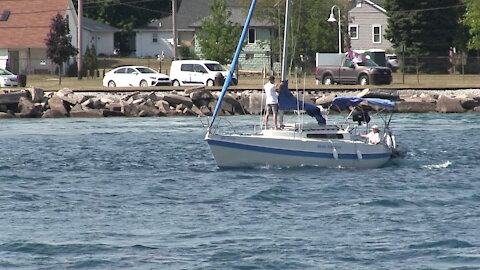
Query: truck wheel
[363, 80]
[327, 80]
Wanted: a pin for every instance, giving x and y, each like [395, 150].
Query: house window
[353, 30]
[252, 35]
[377, 34]
[249, 56]
[155, 38]
[359, 3]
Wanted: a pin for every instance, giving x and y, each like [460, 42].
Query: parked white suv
[196, 72]
[135, 76]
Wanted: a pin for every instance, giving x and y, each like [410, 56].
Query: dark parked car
[391, 60]
[350, 72]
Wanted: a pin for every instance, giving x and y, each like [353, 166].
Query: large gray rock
[91, 113]
[68, 96]
[4, 115]
[93, 103]
[244, 102]
[163, 106]
[256, 103]
[57, 104]
[201, 97]
[175, 100]
[205, 110]
[13, 98]
[449, 105]
[27, 108]
[108, 113]
[236, 106]
[191, 90]
[116, 107]
[37, 94]
[53, 113]
[147, 111]
[326, 100]
[130, 110]
[379, 93]
[414, 107]
[469, 103]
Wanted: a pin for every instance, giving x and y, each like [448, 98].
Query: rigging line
[425, 9]
[115, 3]
[146, 9]
[294, 43]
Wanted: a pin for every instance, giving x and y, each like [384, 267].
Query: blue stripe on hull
[294, 152]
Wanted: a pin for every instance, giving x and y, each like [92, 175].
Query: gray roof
[95, 26]
[191, 12]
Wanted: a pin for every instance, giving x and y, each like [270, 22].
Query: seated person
[373, 136]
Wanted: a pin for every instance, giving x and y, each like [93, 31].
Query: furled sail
[287, 101]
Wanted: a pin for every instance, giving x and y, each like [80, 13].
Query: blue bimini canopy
[354, 101]
[287, 101]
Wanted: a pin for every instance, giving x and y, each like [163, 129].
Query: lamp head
[332, 18]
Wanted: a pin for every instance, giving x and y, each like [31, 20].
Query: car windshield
[146, 70]
[5, 72]
[215, 67]
[368, 63]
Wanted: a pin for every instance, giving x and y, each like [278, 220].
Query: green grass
[49, 82]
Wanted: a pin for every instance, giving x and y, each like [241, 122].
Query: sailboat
[320, 143]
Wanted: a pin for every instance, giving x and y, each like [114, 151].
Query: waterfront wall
[37, 103]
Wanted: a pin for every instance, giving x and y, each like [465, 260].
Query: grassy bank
[49, 82]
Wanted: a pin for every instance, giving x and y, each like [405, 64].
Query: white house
[367, 25]
[157, 37]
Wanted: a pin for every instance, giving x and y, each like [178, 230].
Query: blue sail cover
[287, 101]
[354, 101]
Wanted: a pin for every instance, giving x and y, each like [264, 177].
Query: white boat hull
[258, 150]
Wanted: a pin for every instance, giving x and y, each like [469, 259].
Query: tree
[90, 61]
[309, 30]
[59, 46]
[424, 29]
[472, 20]
[126, 15]
[218, 37]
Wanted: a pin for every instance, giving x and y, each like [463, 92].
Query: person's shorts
[272, 108]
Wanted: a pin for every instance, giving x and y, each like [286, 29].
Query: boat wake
[438, 166]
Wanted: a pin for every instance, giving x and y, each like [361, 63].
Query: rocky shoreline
[37, 103]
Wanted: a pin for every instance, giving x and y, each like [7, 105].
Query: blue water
[144, 193]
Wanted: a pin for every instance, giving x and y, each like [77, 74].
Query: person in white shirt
[271, 92]
[374, 135]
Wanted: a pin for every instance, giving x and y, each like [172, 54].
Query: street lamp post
[332, 20]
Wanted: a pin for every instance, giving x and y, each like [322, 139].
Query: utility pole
[80, 39]
[174, 26]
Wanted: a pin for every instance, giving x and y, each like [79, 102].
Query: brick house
[24, 26]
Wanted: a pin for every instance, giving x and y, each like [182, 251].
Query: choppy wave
[446, 164]
[449, 243]
[146, 194]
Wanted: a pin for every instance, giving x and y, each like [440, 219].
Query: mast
[234, 63]
[174, 28]
[79, 40]
[285, 41]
